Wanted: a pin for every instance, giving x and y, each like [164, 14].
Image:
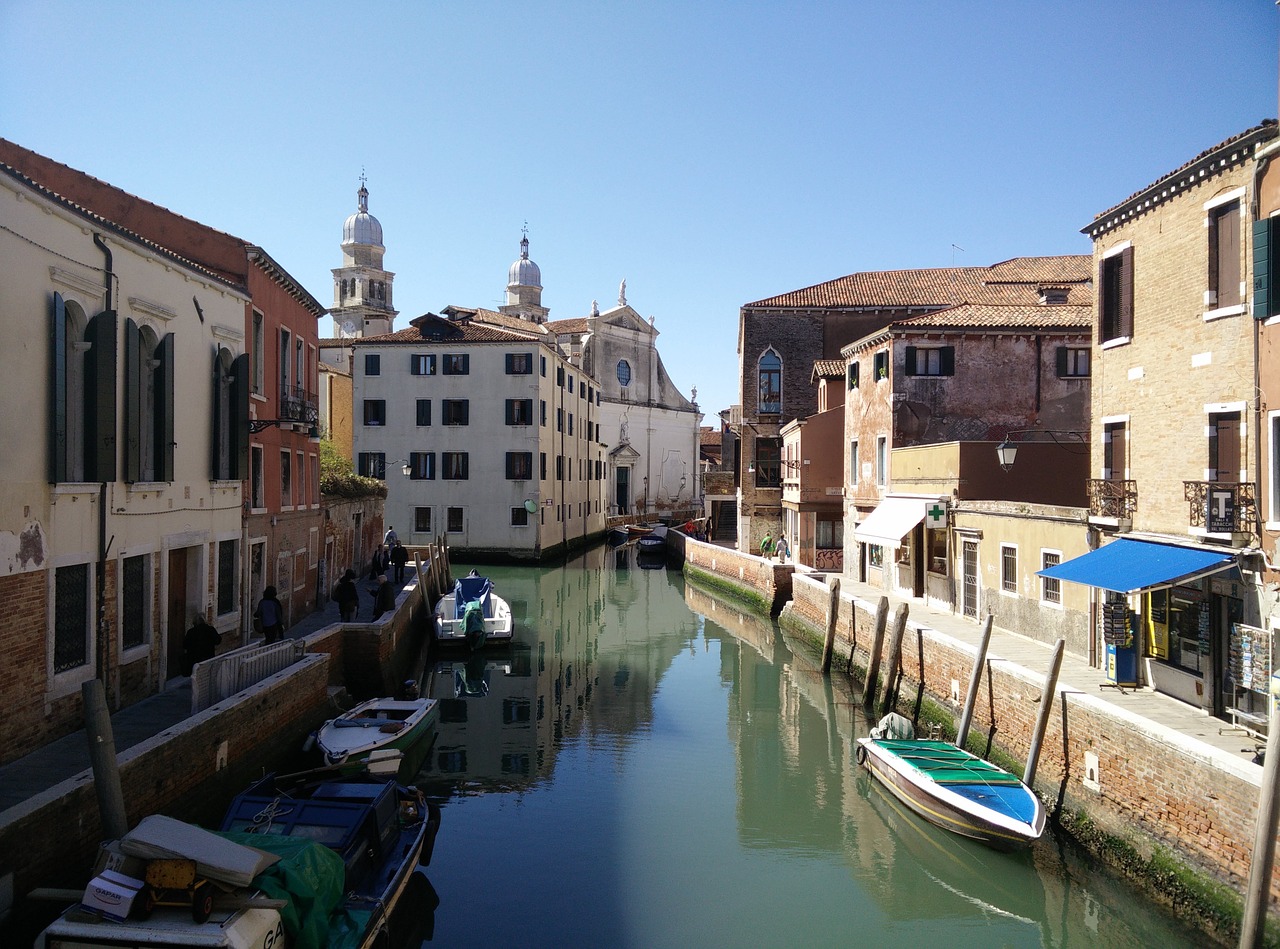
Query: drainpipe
[101, 571]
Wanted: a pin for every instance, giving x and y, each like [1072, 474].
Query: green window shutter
[1262, 269]
[240, 417]
[1062, 361]
[100, 396]
[911, 361]
[947, 360]
[164, 408]
[215, 444]
[132, 402]
[57, 390]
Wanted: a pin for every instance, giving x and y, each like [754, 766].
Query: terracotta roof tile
[1013, 317]
[577, 324]
[828, 369]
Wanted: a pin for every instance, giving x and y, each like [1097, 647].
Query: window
[422, 520]
[880, 362]
[1073, 362]
[542, 465]
[519, 411]
[257, 485]
[454, 411]
[830, 535]
[422, 466]
[1115, 447]
[1115, 295]
[1266, 241]
[1225, 433]
[542, 412]
[770, 391]
[454, 465]
[559, 420]
[71, 612]
[372, 364]
[285, 375]
[1273, 427]
[148, 423]
[519, 364]
[454, 520]
[1050, 589]
[542, 366]
[570, 423]
[259, 352]
[851, 374]
[230, 399]
[1224, 257]
[519, 517]
[457, 364]
[875, 555]
[422, 364]
[931, 361]
[935, 545]
[424, 411]
[134, 600]
[1008, 568]
[375, 411]
[882, 460]
[519, 465]
[768, 462]
[560, 376]
[853, 461]
[559, 467]
[228, 558]
[286, 478]
[372, 464]
[571, 384]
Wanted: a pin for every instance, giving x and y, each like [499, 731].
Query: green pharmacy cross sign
[935, 516]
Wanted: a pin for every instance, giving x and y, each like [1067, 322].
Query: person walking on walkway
[384, 598]
[378, 566]
[270, 616]
[782, 548]
[391, 537]
[399, 557]
[199, 643]
[347, 596]
[766, 545]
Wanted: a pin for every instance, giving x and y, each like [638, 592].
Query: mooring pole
[102, 755]
[895, 658]
[1046, 709]
[877, 644]
[975, 680]
[1257, 893]
[833, 614]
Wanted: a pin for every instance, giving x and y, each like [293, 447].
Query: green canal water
[651, 767]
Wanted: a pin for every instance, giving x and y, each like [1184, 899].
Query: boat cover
[310, 878]
[159, 838]
[467, 589]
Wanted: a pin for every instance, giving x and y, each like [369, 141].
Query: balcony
[298, 405]
[1112, 499]
[1222, 507]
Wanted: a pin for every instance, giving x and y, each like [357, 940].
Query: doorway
[622, 490]
[969, 579]
[184, 601]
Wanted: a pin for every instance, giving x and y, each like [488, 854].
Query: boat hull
[953, 807]
[376, 725]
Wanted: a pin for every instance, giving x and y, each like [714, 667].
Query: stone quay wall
[761, 577]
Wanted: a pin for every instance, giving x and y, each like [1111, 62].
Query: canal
[649, 767]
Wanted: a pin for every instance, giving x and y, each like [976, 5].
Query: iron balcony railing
[299, 405]
[1222, 507]
[1109, 498]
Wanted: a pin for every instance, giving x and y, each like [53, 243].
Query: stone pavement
[68, 756]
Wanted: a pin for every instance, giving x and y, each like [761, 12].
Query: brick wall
[1200, 806]
[771, 580]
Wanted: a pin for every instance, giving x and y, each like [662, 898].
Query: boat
[952, 788]
[348, 741]
[473, 614]
[299, 864]
[654, 542]
[617, 536]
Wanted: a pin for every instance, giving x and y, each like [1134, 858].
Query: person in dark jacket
[384, 598]
[347, 596]
[270, 613]
[399, 557]
[378, 565]
[199, 643]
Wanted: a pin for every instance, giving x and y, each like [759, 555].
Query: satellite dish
[531, 506]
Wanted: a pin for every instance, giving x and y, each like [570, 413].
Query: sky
[708, 153]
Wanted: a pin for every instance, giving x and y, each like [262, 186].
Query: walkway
[67, 757]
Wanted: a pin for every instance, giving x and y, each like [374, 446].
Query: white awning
[891, 521]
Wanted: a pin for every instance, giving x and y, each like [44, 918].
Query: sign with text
[1220, 516]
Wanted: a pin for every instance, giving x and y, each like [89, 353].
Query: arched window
[770, 397]
[76, 352]
[222, 418]
[82, 420]
[148, 419]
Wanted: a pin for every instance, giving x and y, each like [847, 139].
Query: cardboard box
[111, 857]
[111, 893]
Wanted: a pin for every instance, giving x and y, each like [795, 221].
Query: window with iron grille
[422, 520]
[1008, 568]
[71, 617]
[1050, 588]
[133, 601]
[454, 518]
[227, 560]
[519, 517]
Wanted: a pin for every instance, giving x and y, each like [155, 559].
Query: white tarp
[162, 838]
[891, 521]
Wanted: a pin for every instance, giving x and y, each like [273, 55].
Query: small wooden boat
[654, 542]
[374, 726]
[954, 789]
[473, 614]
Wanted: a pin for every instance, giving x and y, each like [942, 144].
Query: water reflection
[648, 765]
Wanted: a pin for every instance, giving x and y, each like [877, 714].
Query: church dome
[362, 227]
[524, 272]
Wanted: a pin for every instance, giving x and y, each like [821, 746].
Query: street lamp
[1007, 451]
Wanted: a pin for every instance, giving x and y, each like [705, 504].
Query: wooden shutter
[1262, 268]
[100, 398]
[1062, 361]
[132, 402]
[57, 390]
[910, 366]
[1224, 447]
[215, 441]
[947, 361]
[1126, 292]
[1224, 253]
[165, 408]
[239, 422]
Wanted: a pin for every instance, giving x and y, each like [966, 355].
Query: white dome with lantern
[362, 227]
[524, 272]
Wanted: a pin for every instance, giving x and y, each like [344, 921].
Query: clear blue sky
[710, 153]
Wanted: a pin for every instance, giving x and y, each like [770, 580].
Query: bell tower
[362, 299]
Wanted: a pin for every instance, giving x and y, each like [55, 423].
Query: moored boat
[376, 725]
[954, 789]
[473, 614]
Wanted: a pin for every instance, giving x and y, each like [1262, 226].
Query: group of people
[769, 548]
[202, 639]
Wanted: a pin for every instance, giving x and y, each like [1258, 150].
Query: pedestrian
[384, 598]
[378, 565]
[269, 617]
[399, 557]
[347, 596]
[766, 545]
[782, 548]
[391, 537]
[199, 643]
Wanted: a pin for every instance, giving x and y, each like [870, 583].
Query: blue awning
[1126, 566]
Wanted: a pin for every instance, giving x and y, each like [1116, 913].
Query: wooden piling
[894, 659]
[975, 680]
[877, 644]
[833, 614]
[1046, 708]
[102, 756]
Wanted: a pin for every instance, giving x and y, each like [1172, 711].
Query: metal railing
[223, 676]
[1242, 512]
[1108, 498]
